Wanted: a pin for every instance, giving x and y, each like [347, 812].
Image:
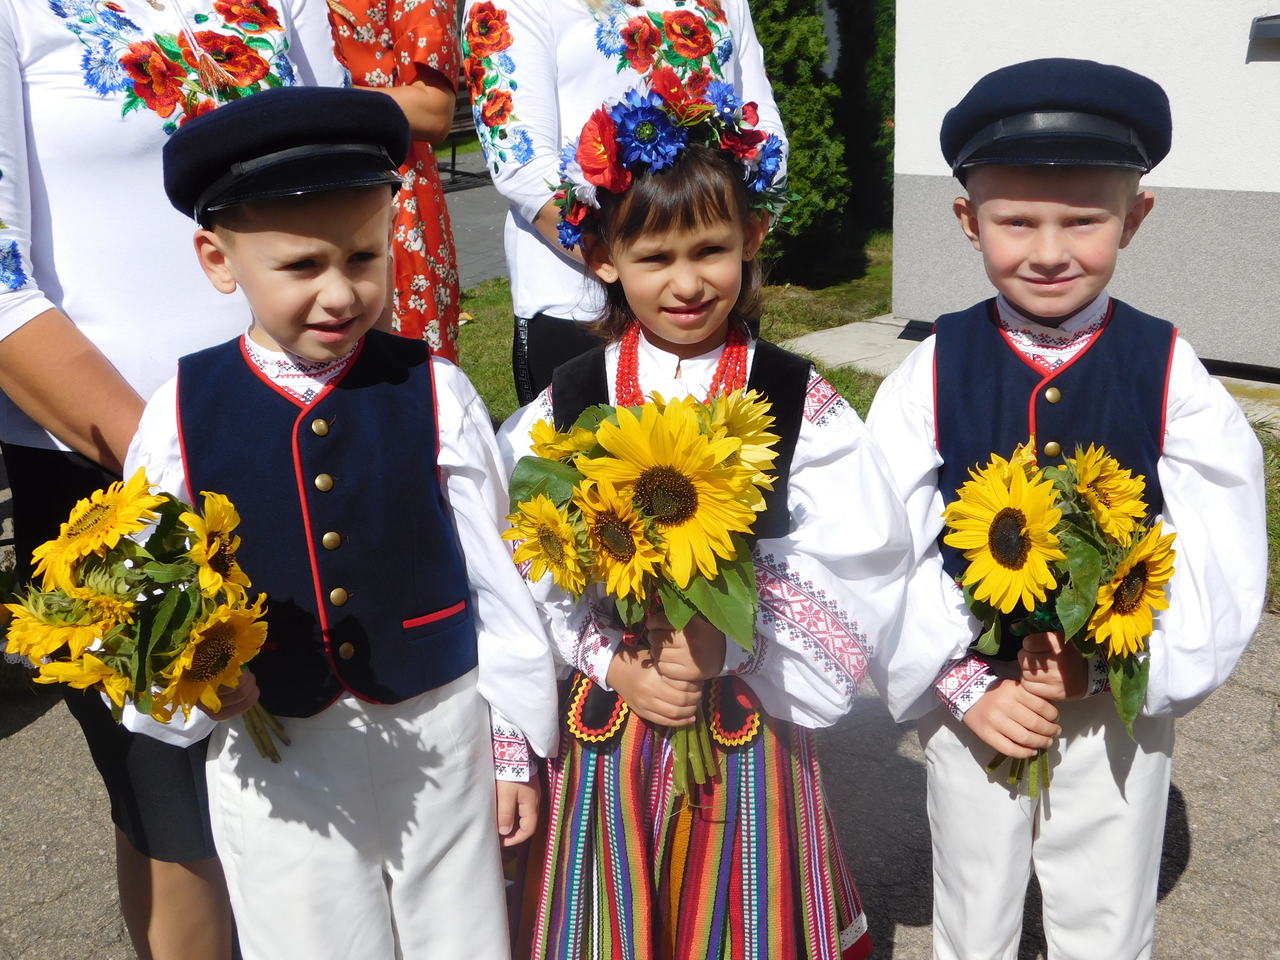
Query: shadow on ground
[24, 705]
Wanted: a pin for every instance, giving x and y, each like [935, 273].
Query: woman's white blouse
[562, 62]
[830, 591]
[84, 222]
[1211, 477]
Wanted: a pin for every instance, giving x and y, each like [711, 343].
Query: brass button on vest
[323, 482]
[331, 540]
[1052, 448]
[1053, 394]
[320, 427]
[346, 651]
[337, 596]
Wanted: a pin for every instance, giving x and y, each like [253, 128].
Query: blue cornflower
[724, 50]
[522, 146]
[769, 161]
[609, 37]
[570, 234]
[646, 133]
[726, 101]
[283, 68]
[117, 21]
[568, 155]
[12, 275]
[506, 65]
[102, 71]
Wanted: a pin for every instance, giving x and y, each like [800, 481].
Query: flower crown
[648, 129]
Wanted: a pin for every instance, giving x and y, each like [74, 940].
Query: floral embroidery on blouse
[13, 275]
[693, 38]
[238, 49]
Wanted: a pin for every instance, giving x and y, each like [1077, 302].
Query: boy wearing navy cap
[371, 503]
[1051, 152]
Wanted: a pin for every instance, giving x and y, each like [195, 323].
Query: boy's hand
[1012, 720]
[517, 810]
[672, 703]
[694, 653]
[236, 700]
[1051, 668]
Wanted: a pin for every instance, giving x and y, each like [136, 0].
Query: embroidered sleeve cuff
[962, 682]
[512, 759]
[739, 662]
[596, 644]
[1099, 676]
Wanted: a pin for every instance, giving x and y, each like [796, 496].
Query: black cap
[1059, 111]
[284, 142]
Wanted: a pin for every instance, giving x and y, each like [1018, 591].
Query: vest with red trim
[343, 522]
[988, 398]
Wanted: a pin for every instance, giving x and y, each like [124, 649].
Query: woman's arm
[427, 103]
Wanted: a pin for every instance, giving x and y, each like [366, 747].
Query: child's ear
[757, 226]
[211, 251]
[1138, 211]
[966, 212]
[596, 252]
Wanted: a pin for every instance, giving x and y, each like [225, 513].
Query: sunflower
[96, 524]
[1006, 533]
[745, 417]
[88, 671]
[1114, 495]
[623, 555]
[42, 624]
[1122, 619]
[216, 650]
[680, 478]
[213, 547]
[545, 537]
[550, 444]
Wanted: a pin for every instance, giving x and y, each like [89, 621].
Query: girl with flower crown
[664, 193]
[535, 70]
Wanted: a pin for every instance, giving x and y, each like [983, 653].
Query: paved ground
[1220, 882]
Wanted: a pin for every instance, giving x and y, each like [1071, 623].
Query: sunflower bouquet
[160, 624]
[1068, 548]
[653, 503]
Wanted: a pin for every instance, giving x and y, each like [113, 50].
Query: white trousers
[1094, 838]
[372, 839]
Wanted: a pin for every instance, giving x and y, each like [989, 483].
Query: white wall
[1226, 111]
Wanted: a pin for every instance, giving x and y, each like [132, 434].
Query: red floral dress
[389, 43]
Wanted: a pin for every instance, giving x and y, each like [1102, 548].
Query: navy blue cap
[1059, 111]
[284, 142]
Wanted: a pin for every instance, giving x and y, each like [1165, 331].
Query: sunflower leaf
[1129, 687]
[678, 608]
[534, 475]
[729, 601]
[593, 416]
[989, 643]
[1078, 598]
[168, 572]
[630, 610]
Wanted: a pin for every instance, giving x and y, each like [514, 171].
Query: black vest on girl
[778, 375]
[988, 399]
[343, 522]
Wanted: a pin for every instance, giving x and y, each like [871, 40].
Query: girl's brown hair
[703, 187]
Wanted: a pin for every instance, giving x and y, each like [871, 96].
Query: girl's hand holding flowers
[671, 703]
[695, 653]
[1011, 719]
[1051, 668]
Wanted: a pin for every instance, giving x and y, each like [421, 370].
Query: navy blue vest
[988, 399]
[780, 376]
[343, 522]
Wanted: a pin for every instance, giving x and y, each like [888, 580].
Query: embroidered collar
[1051, 347]
[301, 377]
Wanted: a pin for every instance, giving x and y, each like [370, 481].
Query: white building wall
[1209, 257]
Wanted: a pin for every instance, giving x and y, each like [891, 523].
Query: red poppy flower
[687, 107]
[487, 31]
[698, 82]
[157, 80]
[751, 113]
[688, 34]
[238, 61]
[742, 145]
[251, 16]
[598, 153]
[497, 108]
[198, 109]
[474, 72]
[713, 7]
[577, 213]
[642, 39]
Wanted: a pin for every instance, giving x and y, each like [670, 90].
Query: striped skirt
[743, 867]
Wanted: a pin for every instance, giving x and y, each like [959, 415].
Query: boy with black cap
[372, 504]
[1051, 152]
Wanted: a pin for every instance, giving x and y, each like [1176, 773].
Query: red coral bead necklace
[730, 374]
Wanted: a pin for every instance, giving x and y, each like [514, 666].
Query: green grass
[1269, 435]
